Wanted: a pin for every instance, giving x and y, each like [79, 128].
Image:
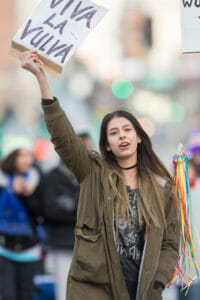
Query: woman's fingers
[29, 52]
[31, 62]
[27, 57]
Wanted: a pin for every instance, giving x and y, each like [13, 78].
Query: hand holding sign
[31, 62]
[56, 28]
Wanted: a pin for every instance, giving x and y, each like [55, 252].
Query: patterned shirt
[130, 240]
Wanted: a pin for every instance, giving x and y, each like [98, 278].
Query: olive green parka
[95, 272]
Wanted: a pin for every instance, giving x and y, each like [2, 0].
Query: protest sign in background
[190, 25]
[56, 28]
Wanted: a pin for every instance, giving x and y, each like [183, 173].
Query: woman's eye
[113, 133]
[128, 129]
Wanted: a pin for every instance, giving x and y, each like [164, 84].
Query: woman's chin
[125, 155]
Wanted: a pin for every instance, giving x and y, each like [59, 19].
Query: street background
[132, 60]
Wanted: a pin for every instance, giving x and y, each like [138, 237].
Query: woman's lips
[124, 145]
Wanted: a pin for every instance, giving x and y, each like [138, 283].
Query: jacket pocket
[156, 294]
[153, 293]
[89, 262]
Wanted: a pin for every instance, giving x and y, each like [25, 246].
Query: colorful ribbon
[187, 262]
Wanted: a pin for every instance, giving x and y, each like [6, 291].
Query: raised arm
[31, 62]
[69, 147]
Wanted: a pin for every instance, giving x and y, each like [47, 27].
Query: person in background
[20, 250]
[60, 202]
[193, 149]
[86, 139]
[193, 173]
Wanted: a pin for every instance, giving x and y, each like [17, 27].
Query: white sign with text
[56, 28]
[190, 25]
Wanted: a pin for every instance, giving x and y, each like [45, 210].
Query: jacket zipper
[141, 267]
[140, 271]
[113, 226]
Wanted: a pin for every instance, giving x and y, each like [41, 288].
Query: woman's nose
[122, 135]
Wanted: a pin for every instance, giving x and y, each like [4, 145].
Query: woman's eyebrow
[113, 128]
[126, 125]
[116, 128]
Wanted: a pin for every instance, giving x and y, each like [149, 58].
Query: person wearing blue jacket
[20, 250]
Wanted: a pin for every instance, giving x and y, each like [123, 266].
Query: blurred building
[131, 60]
[8, 20]
[136, 33]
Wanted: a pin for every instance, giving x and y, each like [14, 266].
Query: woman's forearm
[31, 62]
[44, 87]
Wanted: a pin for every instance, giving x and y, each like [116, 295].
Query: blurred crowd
[38, 203]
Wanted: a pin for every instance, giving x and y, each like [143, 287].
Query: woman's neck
[127, 164]
[130, 178]
[129, 170]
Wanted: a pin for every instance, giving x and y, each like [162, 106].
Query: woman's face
[122, 139]
[24, 160]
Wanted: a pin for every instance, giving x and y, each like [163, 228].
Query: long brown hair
[148, 166]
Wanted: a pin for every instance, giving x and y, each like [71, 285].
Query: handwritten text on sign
[57, 27]
[190, 25]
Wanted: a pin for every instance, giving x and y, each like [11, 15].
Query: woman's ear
[139, 140]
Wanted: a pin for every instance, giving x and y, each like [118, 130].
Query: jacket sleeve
[170, 243]
[68, 146]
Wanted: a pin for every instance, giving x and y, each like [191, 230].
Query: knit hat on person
[193, 145]
[10, 143]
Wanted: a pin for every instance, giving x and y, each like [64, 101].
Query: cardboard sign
[56, 28]
[190, 25]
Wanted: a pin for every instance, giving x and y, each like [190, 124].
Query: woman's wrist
[46, 102]
[44, 87]
[40, 76]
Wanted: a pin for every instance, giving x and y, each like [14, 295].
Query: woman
[127, 237]
[20, 252]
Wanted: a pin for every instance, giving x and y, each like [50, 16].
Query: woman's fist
[31, 62]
